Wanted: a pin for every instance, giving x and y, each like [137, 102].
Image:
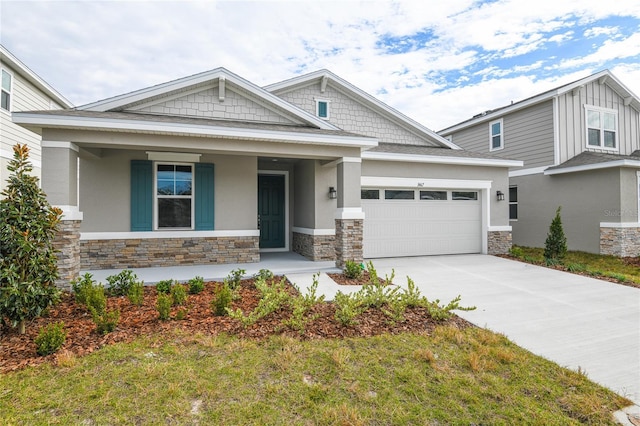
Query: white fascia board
[499, 228]
[33, 78]
[396, 182]
[597, 166]
[436, 159]
[619, 224]
[150, 235]
[527, 172]
[316, 75]
[314, 232]
[46, 120]
[215, 74]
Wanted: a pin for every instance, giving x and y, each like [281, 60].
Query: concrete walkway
[575, 321]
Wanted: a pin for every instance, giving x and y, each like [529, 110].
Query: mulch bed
[343, 280]
[19, 351]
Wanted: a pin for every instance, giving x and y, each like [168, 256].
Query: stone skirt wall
[68, 252]
[622, 242]
[349, 235]
[142, 253]
[499, 242]
[314, 247]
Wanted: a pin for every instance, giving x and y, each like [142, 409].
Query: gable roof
[220, 76]
[323, 76]
[587, 160]
[603, 77]
[18, 66]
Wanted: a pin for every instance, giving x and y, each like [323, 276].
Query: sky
[437, 61]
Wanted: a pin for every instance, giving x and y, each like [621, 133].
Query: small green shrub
[96, 301]
[136, 293]
[163, 305]
[273, 297]
[50, 338]
[352, 269]
[234, 278]
[555, 246]
[348, 307]
[301, 305]
[222, 297]
[120, 284]
[181, 314]
[516, 252]
[164, 286]
[443, 312]
[196, 285]
[263, 274]
[107, 321]
[82, 286]
[179, 294]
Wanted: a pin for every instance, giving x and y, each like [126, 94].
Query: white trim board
[528, 172]
[314, 232]
[437, 159]
[395, 182]
[619, 224]
[597, 166]
[150, 235]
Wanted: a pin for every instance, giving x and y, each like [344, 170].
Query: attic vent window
[322, 108]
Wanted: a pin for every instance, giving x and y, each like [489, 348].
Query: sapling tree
[555, 247]
[28, 265]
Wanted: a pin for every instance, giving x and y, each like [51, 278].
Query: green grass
[451, 377]
[590, 263]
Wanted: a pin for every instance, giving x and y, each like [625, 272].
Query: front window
[513, 203]
[370, 194]
[602, 128]
[464, 195]
[496, 139]
[174, 196]
[5, 95]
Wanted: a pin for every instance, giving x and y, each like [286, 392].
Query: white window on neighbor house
[496, 135]
[6, 92]
[322, 108]
[602, 128]
[513, 203]
[174, 196]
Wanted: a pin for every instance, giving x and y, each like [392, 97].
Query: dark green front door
[271, 212]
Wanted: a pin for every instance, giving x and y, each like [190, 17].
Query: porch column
[60, 183]
[349, 215]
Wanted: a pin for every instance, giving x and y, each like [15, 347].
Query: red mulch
[18, 351]
[341, 279]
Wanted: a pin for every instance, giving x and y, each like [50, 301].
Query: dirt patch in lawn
[18, 351]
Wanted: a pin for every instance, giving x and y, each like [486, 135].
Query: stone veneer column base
[499, 242]
[622, 242]
[314, 247]
[152, 252]
[349, 234]
[67, 245]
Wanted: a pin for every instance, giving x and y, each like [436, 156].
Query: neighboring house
[214, 169]
[580, 144]
[22, 90]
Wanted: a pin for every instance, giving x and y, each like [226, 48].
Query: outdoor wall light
[500, 195]
[333, 194]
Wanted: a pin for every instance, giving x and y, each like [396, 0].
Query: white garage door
[401, 222]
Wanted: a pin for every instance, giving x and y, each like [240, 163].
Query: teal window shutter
[141, 195]
[323, 109]
[204, 194]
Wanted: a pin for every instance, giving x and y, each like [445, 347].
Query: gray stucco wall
[586, 199]
[59, 176]
[313, 209]
[498, 177]
[105, 191]
[629, 182]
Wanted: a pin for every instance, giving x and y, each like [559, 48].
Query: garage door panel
[419, 227]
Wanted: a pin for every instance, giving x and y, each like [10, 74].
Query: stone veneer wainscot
[66, 243]
[499, 242]
[314, 247]
[620, 241]
[349, 235]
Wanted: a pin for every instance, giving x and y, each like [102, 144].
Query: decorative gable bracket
[221, 82]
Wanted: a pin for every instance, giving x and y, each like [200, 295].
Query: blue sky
[439, 62]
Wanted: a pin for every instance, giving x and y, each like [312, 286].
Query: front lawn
[622, 270]
[452, 376]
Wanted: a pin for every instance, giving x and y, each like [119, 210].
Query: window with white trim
[496, 135]
[174, 196]
[602, 126]
[513, 203]
[322, 108]
[6, 90]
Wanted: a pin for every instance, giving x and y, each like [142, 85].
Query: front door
[271, 214]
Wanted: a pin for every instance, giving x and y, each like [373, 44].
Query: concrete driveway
[575, 321]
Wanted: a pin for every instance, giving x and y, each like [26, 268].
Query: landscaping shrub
[196, 285]
[222, 297]
[234, 278]
[163, 304]
[555, 246]
[107, 321]
[28, 264]
[263, 274]
[164, 286]
[82, 288]
[352, 269]
[96, 302]
[136, 293]
[50, 338]
[178, 294]
[120, 284]
[273, 297]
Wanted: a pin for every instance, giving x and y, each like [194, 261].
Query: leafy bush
[443, 312]
[235, 277]
[120, 284]
[352, 269]
[555, 246]
[82, 288]
[301, 305]
[179, 294]
[348, 307]
[163, 305]
[221, 302]
[196, 285]
[28, 264]
[164, 286]
[50, 338]
[516, 252]
[273, 297]
[107, 321]
[263, 274]
[96, 302]
[136, 293]
[181, 314]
